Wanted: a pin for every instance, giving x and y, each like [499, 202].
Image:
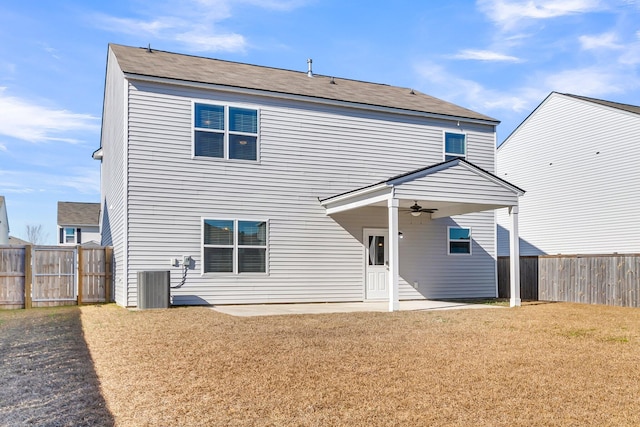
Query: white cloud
[82, 180]
[600, 41]
[592, 81]
[193, 23]
[198, 41]
[31, 122]
[508, 13]
[3, 147]
[484, 55]
[474, 95]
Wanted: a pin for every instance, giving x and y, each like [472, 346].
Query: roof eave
[296, 97]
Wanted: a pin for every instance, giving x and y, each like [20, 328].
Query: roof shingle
[156, 63]
[76, 213]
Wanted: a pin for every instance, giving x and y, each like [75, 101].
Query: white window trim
[235, 246]
[470, 241]
[444, 144]
[225, 132]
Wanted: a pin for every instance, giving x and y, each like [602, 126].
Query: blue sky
[498, 57]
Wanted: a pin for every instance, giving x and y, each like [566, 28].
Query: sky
[498, 57]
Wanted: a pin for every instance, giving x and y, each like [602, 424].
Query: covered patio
[453, 187]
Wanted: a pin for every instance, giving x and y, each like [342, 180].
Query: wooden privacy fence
[42, 276]
[592, 279]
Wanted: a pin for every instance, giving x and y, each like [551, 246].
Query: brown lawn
[543, 364]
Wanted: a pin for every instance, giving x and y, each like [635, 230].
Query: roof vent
[149, 48]
[333, 81]
[309, 70]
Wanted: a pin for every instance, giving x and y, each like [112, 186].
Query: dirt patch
[46, 371]
[548, 364]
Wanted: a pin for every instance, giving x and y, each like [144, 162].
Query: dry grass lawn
[541, 364]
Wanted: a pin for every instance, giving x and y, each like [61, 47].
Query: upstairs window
[225, 132]
[233, 246]
[459, 240]
[455, 145]
[70, 235]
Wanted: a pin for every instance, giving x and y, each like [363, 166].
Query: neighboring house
[4, 222]
[78, 223]
[579, 160]
[285, 186]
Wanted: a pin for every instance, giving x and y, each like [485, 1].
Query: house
[579, 159]
[4, 222]
[276, 186]
[78, 223]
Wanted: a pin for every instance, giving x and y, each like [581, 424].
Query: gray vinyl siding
[579, 163]
[113, 174]
[306, 152]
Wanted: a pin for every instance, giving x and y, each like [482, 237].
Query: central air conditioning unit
[153, 289]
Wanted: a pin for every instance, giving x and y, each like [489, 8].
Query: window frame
[234, 247]
[449, 240]
[62, 235]
[226, 132]
[445, 153]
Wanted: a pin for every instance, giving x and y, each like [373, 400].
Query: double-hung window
[459, 240]
[70, 235]
[455, 145]
[225, 132]
[234, 246]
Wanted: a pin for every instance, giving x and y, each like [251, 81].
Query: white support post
[394, 259]
[514, 258]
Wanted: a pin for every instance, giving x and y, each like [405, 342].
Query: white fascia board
[465, 208]
[358, 199]
[293, 97]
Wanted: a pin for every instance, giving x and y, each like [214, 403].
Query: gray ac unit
[153, 289]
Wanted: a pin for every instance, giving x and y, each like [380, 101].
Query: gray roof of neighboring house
[625, 107]
[77, 213]
[17, 241]
[156, 63]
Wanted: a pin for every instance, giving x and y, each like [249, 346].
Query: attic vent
[153, 289]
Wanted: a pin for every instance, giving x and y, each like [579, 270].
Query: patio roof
[453, 187]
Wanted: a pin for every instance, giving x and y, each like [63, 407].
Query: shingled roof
[76, 213]
[156, 63]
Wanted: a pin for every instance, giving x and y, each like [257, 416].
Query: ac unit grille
[153, 289]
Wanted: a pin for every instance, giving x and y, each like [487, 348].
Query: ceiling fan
[416, 209]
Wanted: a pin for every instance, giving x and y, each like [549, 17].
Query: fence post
[28, 276]
[80, 271]
[108, 266]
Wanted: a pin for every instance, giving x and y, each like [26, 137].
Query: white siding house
[285, 186]
[579, 160]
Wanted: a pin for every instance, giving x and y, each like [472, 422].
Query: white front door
[376, 243]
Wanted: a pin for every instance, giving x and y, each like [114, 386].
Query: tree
[35, 234]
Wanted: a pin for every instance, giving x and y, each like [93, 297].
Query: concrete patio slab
[249, 310]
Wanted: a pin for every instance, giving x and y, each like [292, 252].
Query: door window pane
[376, 250]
